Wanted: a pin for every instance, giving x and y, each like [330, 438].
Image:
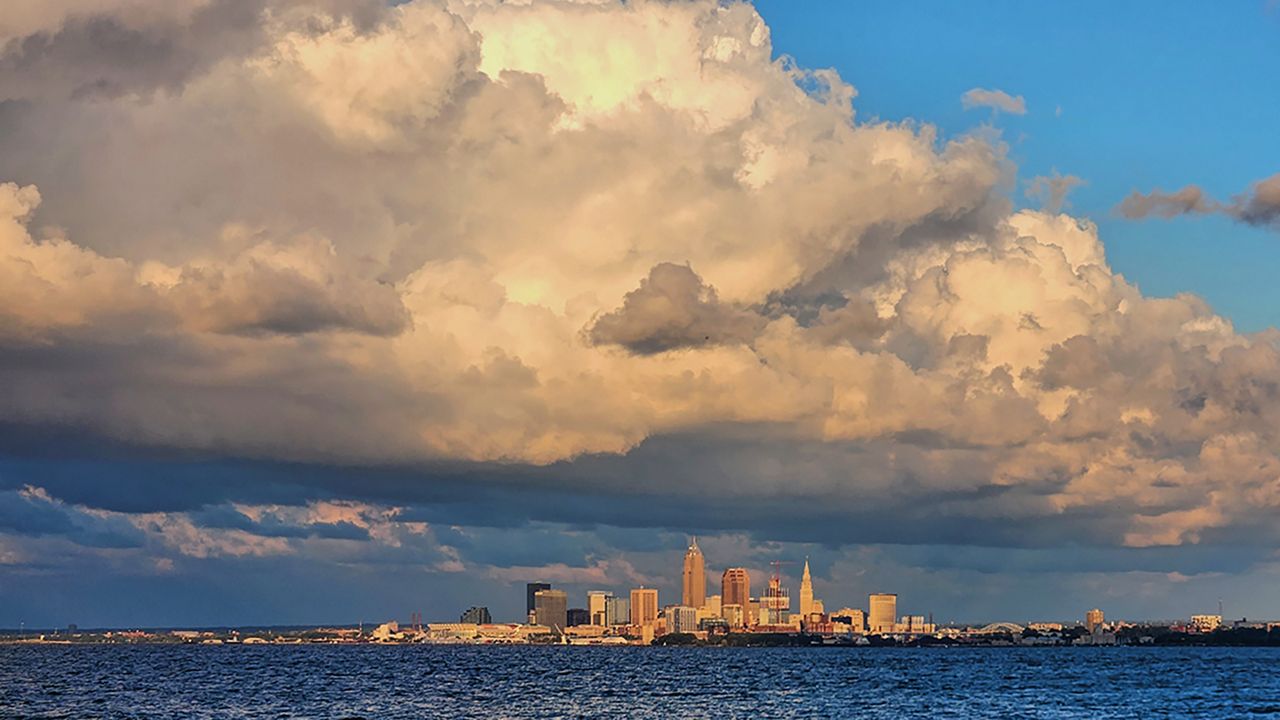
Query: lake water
[192, 681]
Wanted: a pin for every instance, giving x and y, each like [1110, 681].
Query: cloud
[1259, 206]
[1188, 200]
[593, 263]
[1052, 190]
[997, 100]
[673, 308]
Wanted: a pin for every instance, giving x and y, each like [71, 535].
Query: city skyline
[319, 311]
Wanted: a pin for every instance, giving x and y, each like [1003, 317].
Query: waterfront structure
[882, 612]
[1093, 620]
[551, 608]
[681, 619]
[477, 615]
[531, 590]
[806, 592]
[644, 606]
[617, 611]
[694, 577]
[735, 588]
[596, 600]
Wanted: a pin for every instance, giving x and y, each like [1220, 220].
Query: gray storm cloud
[476, 231]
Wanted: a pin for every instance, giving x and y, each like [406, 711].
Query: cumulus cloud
[1259, 206]
[997, 100]
[673, 308]
[583, 248]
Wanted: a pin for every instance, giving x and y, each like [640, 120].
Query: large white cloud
[455, 231]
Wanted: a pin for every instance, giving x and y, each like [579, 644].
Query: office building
[882, 613]
[733, 615]
[735, 587]
[595, 606]
[806, 592]
[1093, 620]
[617, 611]
[856, 619]
[551, 609]
[530, 591]
[577, 616]
[694, 577]
[1206, 623]
[681, 619]
[477, 615]
[644, 606]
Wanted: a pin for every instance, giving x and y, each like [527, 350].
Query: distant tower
[644, 606]
[806, 592]
[531, 591]
[551, 609]
[695, 577]
[735, 587]
[1093, 620]
[882, 613]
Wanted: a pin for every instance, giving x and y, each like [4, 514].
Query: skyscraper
[695, 577]
[882, 612]
[551, 608]
[806, 592]
[735, 589]
[531, 590]
[617, 610]
[478, 615]
[644, 606]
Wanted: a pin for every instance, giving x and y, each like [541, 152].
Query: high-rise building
[694, 576]
[882, 612]
[577, 616]
[1093, 620]
[806, 592]
[775, 604]
[644, 606]
[735, 588]
[617, 611]
[595, 606]
[530, 591]
[551, 608]
[681, 619]
[478, 615]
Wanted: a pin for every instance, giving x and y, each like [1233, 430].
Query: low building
[1205, 623]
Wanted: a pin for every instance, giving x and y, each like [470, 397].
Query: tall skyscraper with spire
[806, 592]
[695, 577]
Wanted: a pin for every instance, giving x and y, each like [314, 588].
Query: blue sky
[1151, 96]
[317, 311]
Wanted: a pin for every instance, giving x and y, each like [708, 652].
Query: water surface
[323, 681]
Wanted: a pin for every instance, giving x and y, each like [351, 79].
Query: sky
[330, 311]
